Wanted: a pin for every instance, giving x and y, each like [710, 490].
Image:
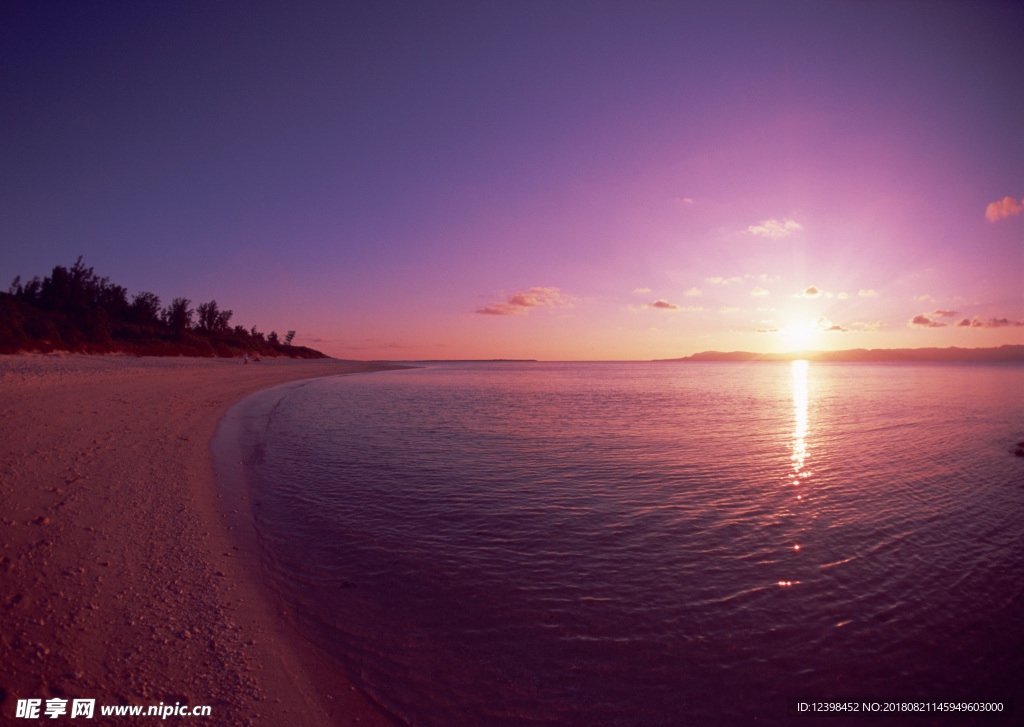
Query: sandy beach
[123, 580]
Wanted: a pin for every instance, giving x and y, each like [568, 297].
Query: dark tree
[112, 298]
[68, 290]
[76, 310]
[223, 322]
[145, 309]
[211, 319]
[178, 315]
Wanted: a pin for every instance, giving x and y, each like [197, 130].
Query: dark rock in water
[1019, 451]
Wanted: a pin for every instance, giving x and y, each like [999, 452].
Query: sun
[799, 335]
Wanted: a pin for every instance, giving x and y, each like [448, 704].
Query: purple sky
[554, 180]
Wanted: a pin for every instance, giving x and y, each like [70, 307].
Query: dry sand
[119, 578]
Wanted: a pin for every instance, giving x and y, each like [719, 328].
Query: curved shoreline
[235, 447]
[122, 581]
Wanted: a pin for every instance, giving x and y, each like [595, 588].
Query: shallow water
[652, 544]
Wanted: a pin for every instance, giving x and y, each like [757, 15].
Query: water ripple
[610, 544]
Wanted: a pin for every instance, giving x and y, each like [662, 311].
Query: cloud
[718, 280]
[758, 291]
[869, 293]
[768, 330]
[692, 291]
[925, 298]
[811, 292]
[665, 305]
[824, 324]
[662, 304]
[943, 313]
[728, 309]
[1006, 207]
[868, 326]
[925, 322]
[979, 322]
[641, 290]
[537, 297]
[520, 302]
[682, 201]
[774, 229]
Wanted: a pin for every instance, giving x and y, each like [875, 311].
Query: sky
[550, 180]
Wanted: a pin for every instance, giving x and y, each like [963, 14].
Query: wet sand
[124, 576]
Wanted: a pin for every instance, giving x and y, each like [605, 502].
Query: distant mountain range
[1002, 353]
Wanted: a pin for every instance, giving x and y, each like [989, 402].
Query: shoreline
[126, 578]
[235, 447]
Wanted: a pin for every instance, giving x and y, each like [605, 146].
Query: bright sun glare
[799, 336]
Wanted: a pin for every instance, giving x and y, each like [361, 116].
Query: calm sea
[652, 543]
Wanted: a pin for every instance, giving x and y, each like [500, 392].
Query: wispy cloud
[868, 293]
[641, 291]
[868, 326]
[665, 305]
[925, 322]
[759, 291]
[729, 309]
[943, 313]
[521, 302]
[824, 324]
[692, 291]
[719, 280]
[769, 330]
[925, 298]
[1006, 207]
[775, 229]
[979, 322]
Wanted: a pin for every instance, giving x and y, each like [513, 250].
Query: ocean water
[652, 543]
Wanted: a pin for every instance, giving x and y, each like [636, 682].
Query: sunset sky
[551, 180]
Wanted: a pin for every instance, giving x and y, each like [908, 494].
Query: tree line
[74, 309]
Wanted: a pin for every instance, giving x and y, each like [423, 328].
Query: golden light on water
[799, 456]
[801, 426]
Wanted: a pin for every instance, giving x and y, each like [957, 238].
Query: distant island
[75, 310]
[999, 354]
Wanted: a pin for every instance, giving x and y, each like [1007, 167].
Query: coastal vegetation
[75, 310]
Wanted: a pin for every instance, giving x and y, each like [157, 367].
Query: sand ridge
[120, 581]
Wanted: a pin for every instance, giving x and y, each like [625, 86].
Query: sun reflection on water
[799, 456]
